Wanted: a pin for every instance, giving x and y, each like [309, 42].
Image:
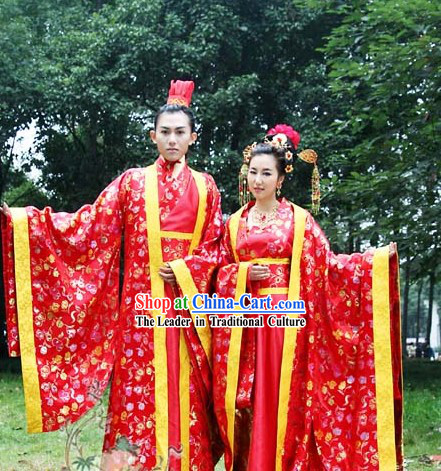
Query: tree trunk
[429, 314]
[418, 313]
[357, 244]
[350, 243]
[405, 305]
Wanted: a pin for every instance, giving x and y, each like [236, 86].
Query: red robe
[326, 396]
[66, 318]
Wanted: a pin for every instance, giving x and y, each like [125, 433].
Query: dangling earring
[244, 191]
[278, 191]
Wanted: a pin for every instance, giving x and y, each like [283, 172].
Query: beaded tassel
[315, 183]
[310, 156]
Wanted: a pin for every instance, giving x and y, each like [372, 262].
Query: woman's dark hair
[279, 154]
[176, 109]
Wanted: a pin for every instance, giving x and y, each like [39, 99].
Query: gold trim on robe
[188, 288]
[383, 361]
[157, 291]
[184, 394]
[202, 207]
[22, 263]
[234, 359]
[290, 335]
[186, 283]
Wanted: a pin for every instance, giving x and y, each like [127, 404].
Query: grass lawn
[422, 413]
[20, 451]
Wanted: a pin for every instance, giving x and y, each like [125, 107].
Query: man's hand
[166, 273]
[259, 272]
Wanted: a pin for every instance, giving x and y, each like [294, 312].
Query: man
[65, 318]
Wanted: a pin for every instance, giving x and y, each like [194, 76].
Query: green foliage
[25, 193]
[84, 464]
[102, 73]
[17, 70]
[384, 63]
[422, 411]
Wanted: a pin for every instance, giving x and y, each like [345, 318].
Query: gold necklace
[261, 218]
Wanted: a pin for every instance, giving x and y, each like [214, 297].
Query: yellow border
[186, 283]
[22, 261]
[234, 360]
[290, 335]
[202, 207]
[177, 235]
[383, 361]
[265, 291]
[157, 291]
[234, 228]
[271, 261]
[398, 288]
[184, 396]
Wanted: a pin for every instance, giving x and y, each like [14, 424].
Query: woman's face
[173, 135]
[263, 177]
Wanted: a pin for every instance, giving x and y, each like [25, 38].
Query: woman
[305, 399]
[62, 295]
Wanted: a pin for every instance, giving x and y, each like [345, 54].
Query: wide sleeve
[356, 347]
[61, 276]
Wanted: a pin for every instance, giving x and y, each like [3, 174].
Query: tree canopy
[359, 80]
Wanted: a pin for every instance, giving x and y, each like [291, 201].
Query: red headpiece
[180, 93]
[289, 131]
[279, 135]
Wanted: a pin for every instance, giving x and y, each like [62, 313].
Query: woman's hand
[258, 272]
[166, 273]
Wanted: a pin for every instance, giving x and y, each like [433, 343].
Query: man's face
[173, 135]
